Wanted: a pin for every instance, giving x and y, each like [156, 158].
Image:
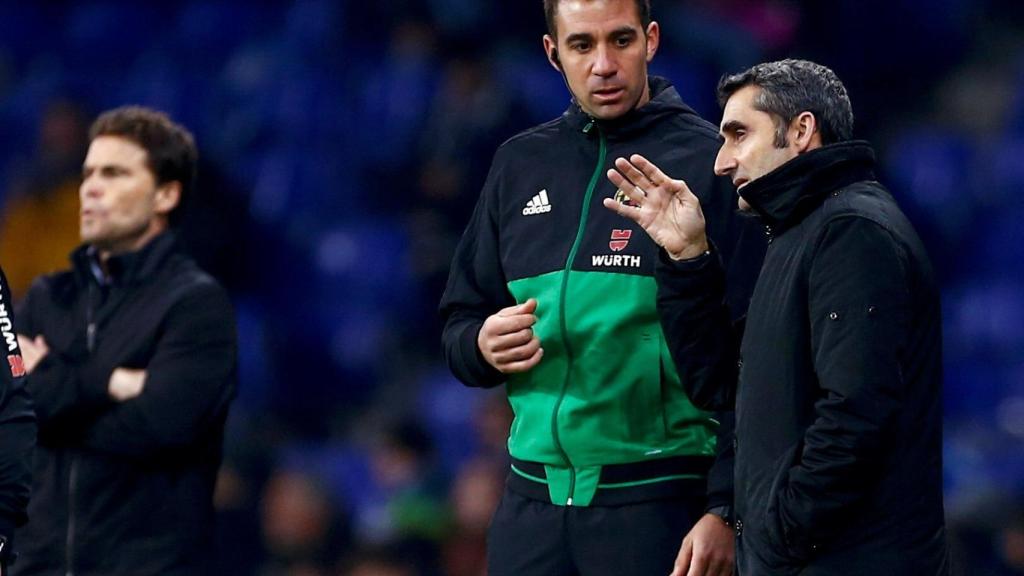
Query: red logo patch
[17, 365]
[620, 239]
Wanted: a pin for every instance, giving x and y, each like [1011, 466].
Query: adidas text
[538, 205]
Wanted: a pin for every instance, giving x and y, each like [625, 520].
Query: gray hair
[790, 87]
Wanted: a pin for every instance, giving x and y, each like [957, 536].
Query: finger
[497, 326]
[527, 307]
[635, 194]
[622, 210]
[524, 365]
[698, 563]
[650, 172]
[507, 341]
[517, 354]
[511, 324]
[633, 174]
[683, 559]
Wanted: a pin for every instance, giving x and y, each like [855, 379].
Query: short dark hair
[790, 87]
[643, 8]
[170, 148]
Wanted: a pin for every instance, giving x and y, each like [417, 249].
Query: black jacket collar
[787, 194]
[664, 101]
[127, 268]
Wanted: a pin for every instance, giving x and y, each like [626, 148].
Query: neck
[133, 244]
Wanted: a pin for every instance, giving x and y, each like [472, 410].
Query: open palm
[665, 208]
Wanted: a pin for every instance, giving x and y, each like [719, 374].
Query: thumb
[525, 308]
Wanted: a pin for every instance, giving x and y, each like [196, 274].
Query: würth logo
[17, 365]
[538, 205]
[620, 239]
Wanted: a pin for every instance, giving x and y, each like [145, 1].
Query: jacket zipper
[72, 481]
[562, 298]
[90, 343]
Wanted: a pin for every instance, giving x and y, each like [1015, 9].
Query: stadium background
[343, 147]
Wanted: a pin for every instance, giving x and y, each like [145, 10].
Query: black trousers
[534, 538]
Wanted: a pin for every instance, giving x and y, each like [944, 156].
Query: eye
[623, 41]
[580, 46]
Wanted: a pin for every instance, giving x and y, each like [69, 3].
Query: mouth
[740, 183]
[608, 94]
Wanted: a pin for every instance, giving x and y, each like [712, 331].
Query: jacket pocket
[775, 533]
[762, 531]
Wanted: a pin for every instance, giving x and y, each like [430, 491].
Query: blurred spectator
[378, 561]
[404, 468]
[303, 528]
[39, 224]
[474, 498]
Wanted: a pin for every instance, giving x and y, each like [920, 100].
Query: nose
[605, 65]
[725, 162]
[90, 188]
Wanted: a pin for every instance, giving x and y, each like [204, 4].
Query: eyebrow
[731, 127]
[624, 31]
[616, 33]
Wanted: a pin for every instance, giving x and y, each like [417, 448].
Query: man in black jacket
[552, 296]
[839, 403]
[17, 432]
[132, 363]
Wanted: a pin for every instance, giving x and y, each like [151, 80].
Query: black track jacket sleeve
[17, 425]
[696, 321]
[190, 380]
[859, 306]
[476, 289]
[695, 317]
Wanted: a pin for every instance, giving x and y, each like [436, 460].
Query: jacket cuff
[693, 274]
[484, 375]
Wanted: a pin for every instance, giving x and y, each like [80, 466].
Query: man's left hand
[708, 550]
[126, 383]
[665, 208]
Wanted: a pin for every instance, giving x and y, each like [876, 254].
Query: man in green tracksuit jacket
[555, 297]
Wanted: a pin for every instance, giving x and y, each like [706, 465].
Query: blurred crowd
[343, 145]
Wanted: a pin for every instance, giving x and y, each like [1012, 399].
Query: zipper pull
[569, 502]
[90, 336]
[588, 127]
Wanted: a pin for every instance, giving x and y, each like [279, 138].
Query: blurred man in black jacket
[17, 432]
[132, 356]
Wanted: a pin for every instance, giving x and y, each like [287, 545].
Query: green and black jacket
[604, 418]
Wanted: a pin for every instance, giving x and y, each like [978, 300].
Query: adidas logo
[539, 204]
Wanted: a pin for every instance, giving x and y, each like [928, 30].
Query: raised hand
[665, 208]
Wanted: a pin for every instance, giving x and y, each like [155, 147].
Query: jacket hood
[665, 101]
[787, 194]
